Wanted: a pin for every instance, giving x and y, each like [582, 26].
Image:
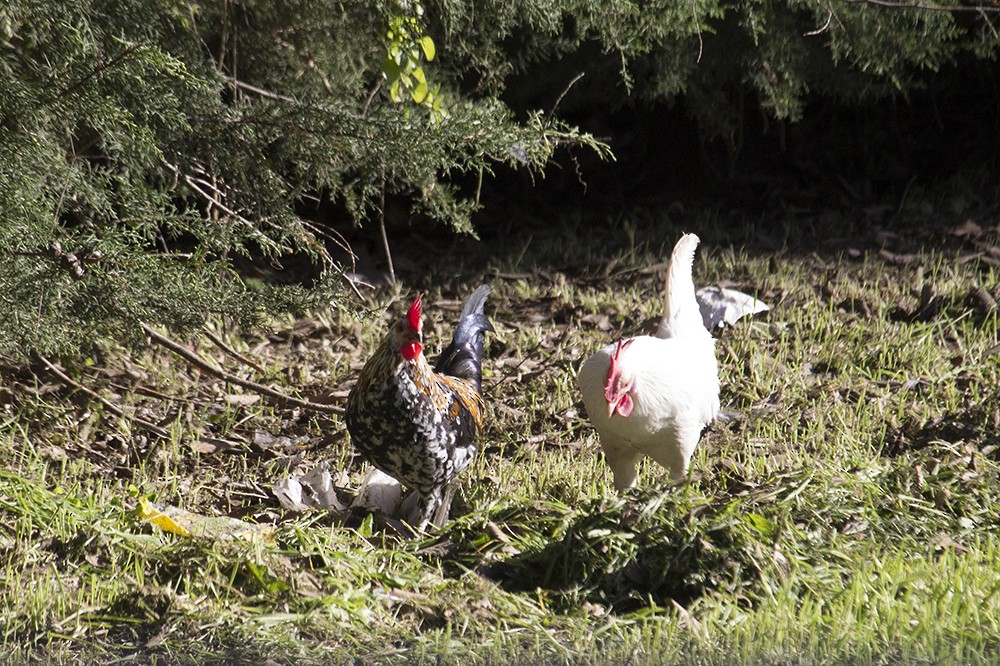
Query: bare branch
[193, 183]
[697, 25]
[151, 428]
[333, 236]
[371, 97]
[381, 226]
[826, 26]
[260, 91]
[218, 342]
[145, 425]
[552, 111]
[930, 6]
[209, 368]
[990, 24]
[101, 67]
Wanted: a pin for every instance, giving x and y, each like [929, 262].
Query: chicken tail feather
[681, 316]
[463, 358]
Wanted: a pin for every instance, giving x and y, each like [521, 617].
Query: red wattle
[411, 350]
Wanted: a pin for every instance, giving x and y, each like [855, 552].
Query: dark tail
[463, 358]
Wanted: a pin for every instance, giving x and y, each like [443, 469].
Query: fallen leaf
[189, 524]
[242, 399]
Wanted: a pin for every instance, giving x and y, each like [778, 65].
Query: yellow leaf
[427, 44]
[188, 524]
[153, 513]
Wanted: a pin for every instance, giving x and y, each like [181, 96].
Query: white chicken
[653, 395]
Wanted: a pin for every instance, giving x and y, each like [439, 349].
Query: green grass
[846, 512]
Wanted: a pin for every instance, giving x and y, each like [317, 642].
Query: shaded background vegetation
[148, 146]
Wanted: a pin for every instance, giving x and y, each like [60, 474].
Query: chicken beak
[612, 406]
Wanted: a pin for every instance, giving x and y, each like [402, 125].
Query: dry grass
[846, 512]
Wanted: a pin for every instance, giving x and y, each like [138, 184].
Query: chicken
[653, 395]
[417, 424]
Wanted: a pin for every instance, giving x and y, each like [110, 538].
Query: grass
[845, 512]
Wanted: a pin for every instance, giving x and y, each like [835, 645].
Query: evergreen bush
[147, 144]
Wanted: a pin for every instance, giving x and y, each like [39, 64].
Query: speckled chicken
[653, 395]
[419, 424]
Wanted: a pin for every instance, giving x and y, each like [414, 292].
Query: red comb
[613, 367]
[413, 314]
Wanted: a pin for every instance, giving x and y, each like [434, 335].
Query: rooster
[418, 424]
[653, 395]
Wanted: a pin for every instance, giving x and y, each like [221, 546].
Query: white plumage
[653, 395]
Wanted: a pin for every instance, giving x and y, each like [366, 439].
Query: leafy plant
[407, 49]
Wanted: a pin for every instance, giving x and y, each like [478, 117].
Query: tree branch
[145, 425]
[209, 368]
[930, 6]
[101, 66]
[381, 226]
[552, 111]
[218, 342]
[149, 427]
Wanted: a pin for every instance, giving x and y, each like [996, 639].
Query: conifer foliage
[144, 145]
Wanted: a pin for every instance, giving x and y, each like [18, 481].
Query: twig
[988, 22]
[385, 239]
[203, 365]
[697, 27]
[368, 102]
[552, 111]
[510, 373]
[114, 62]
[194, 185]
[979, 9]
[260, 91]
[333, 236]
[148, 426]
[151, 428]
[217, 341]
[826, 26]
[351, 283]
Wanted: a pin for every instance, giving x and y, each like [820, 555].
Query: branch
[101, 66]
[826, 26]
[218, 342]
[209, 368]
[148, 426]
[194, 185]
[260, 91]
[381, 226]
[697, 27]
[552, 111]
[333, 236]
[930, 6]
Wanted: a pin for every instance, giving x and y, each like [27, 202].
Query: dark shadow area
[842, 154]
[977, 423]
[898, 175]
[651, 549]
